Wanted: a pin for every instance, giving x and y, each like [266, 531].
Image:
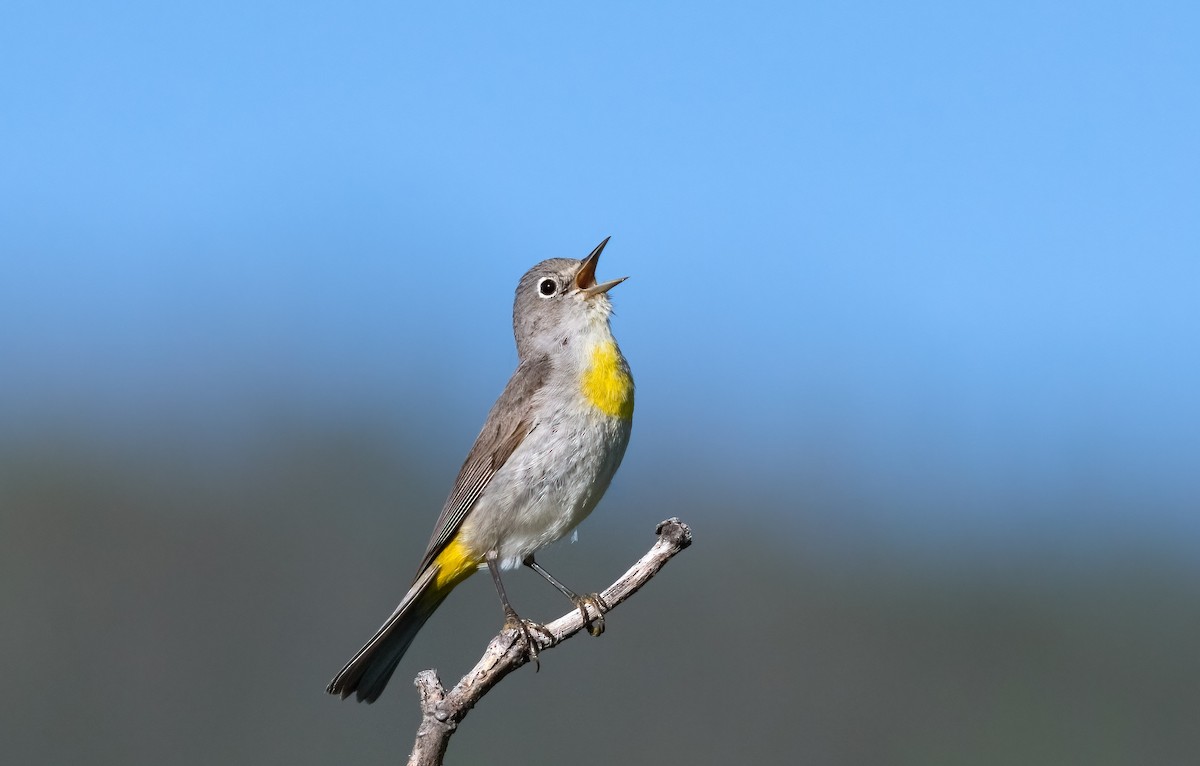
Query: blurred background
[912, 313]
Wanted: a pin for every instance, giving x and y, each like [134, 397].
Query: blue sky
[945, 255]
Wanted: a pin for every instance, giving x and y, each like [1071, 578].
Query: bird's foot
[595, 626]
[525, 630]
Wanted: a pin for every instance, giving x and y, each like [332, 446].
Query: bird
[545, 456]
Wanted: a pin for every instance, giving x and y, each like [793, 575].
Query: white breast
[550, 483]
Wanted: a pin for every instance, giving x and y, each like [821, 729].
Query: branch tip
[675, 532]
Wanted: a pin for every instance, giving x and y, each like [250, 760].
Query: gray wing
[507, 425]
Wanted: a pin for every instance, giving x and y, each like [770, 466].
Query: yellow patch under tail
[455, 563]
[606, 382]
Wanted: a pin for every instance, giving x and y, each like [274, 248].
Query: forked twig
[442, 710]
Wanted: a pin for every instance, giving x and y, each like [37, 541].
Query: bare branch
[442, 710]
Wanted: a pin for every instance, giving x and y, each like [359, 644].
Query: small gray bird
[545, 456]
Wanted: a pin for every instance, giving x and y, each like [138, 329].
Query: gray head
[557, 301]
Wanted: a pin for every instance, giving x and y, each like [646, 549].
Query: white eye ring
[547, 287]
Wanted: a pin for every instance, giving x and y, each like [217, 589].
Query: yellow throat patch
[606, 382]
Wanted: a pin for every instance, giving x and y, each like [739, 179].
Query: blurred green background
[912, 313]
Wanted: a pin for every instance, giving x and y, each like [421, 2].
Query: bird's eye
[547, 287]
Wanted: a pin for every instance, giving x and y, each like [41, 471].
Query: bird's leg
[512, 619]
[594, 626]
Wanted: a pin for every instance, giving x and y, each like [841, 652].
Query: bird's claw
[525, 630]
[594, 626]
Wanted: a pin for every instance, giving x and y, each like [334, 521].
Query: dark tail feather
[368, 672]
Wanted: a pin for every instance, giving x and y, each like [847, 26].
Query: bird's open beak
[585, 280]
